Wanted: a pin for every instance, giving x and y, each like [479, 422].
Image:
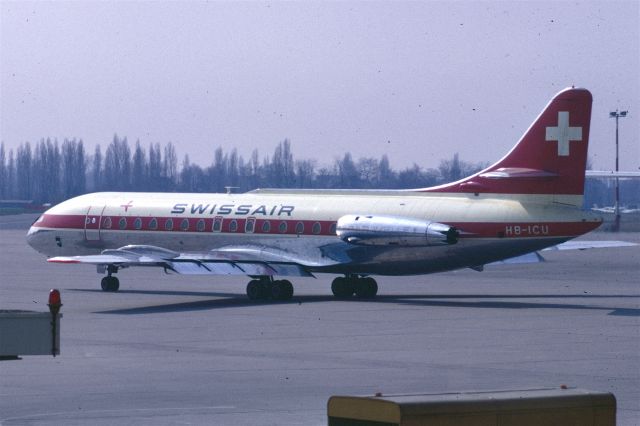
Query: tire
[362, 289]
[287, 290]
[110, 284]
[371, 287]
[276, 290]
[104, 283]
[254, 290]
[342, 288]
[114, 285]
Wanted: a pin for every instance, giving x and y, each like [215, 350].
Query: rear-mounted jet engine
[389, 230]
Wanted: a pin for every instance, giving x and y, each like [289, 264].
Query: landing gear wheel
[285, 290]
[255, 290]
[342, 288]
[288, 289]
[262, 289]
[281, 290]
[276, 290]
[366, 288]
[110, 284]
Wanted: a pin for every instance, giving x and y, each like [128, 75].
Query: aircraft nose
[31, 236]
[34, 236]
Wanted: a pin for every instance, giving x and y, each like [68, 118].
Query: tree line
[50, 171]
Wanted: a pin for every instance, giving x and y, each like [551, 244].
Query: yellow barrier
[534, 407]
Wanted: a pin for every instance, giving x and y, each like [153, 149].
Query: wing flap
[193, 267]
[209, 263]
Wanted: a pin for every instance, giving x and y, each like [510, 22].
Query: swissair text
[232, 209]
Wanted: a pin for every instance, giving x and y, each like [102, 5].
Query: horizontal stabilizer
[612, 174]
[583, 245]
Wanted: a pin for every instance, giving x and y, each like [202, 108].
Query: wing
[228, 261]
[536, 257]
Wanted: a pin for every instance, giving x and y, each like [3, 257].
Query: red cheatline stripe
[277, 226]
[205, 226]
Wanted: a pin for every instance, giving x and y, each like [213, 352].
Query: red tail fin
[550, 158]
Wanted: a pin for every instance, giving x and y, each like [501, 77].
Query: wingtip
[62, 260]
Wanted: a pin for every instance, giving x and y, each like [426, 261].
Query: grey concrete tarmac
[192, 350]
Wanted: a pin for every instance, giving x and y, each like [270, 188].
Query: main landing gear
[110, 283]
[265, 288]
[362, 287]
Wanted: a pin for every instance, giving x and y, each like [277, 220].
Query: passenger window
[122, 223]
[299, 228]
[282, 227]
[217, 224]
[184, 225]
[233, 226]
[137, 223]
[266, 226]
[249, 225]
[168, 225]
[153, 223]
[316, 228]
[200, 225]
[106, 223]
[333, 228]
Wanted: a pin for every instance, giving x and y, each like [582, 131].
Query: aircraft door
[92, 223]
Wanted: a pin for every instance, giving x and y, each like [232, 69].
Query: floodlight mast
[617, 114]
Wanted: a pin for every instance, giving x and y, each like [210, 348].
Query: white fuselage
[300, 225]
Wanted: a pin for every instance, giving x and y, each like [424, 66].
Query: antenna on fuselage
[230, 189]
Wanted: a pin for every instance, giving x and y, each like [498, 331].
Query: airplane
[529, 200]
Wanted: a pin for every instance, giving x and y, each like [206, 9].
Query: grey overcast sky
[417, 81]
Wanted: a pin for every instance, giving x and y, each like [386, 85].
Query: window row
[185, 225]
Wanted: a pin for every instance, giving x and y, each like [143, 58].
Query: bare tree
[96, 169]
[348, 175]
[117, 165]
[282, 166]
[73, 168]
[170, 167]
[24, 172]
[139, 181]
[3, 172]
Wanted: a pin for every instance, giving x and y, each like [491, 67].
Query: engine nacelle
[389, 230]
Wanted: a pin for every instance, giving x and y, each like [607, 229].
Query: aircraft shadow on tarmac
[492, 301]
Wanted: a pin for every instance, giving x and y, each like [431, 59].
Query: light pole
[617, 114]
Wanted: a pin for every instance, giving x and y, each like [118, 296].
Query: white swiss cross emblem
[563, 133]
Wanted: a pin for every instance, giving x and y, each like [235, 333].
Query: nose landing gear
[110, 283]
[362, 287]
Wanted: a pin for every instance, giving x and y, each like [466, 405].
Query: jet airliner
[528, 200]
